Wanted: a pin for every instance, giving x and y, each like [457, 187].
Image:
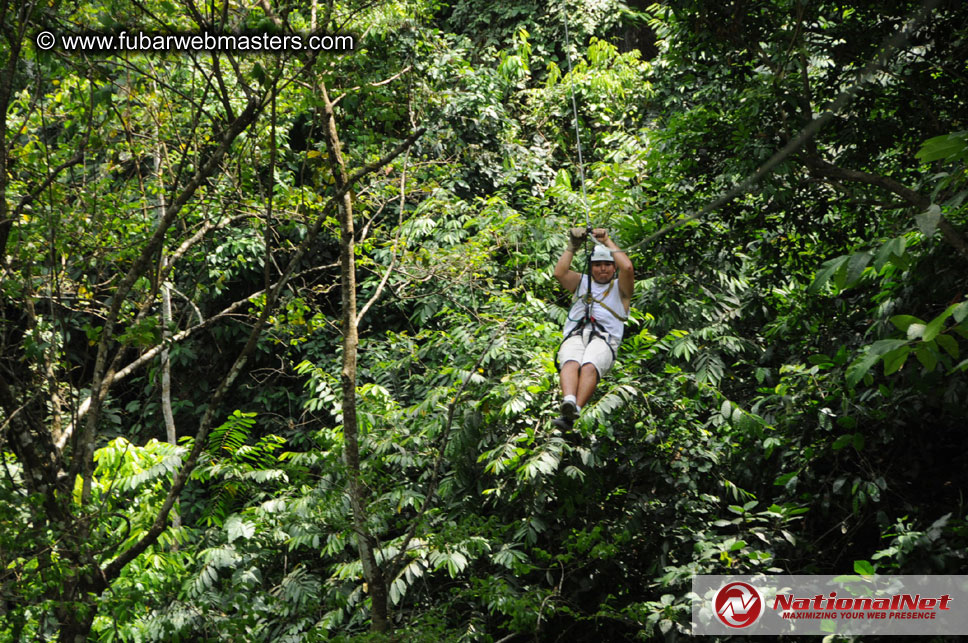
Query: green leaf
[840, 277]
[884, 346]
[235, 528]
[859, 367]
[863, 567]
[842, 442]
[894, 360]
[960, 311]
[856, 265]
[397, 589]
[933, 329]
[826, 271]
[949, 344]
[916, 331]
[902, 322]
[944, 147]
[927, 357]
[562, 179]
[892, 251]
[785, 479]
[928, 220]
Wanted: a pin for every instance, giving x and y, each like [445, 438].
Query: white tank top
[601, 293]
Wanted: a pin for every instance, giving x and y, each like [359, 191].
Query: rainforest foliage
[277, 329]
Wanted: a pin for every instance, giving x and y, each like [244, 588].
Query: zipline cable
[581, 167]
[574, 111]
[891, 43]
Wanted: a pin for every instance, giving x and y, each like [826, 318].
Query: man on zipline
[595, 322]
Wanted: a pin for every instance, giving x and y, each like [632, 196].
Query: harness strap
[597, 330]
[588, 298]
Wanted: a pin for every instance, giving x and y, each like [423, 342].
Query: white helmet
[601, 253]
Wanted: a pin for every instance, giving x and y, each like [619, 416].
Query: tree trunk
[76, 625]
[77, 613]
[366, 543]
[165, 287]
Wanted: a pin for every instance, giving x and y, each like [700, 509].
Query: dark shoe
[563, 423]
[569, 410]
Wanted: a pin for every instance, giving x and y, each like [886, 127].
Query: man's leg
[569, 378]
[597, 361]
[587, 381]
[570, 355]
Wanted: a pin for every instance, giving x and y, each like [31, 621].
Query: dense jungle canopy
[277, 327]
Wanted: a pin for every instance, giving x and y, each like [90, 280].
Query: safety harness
[590, 299]
[596, 329]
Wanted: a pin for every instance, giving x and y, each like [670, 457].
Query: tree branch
[84, 453]
[113, 569]
[154, 351]
[890, 45]
[51, 177]
[393, 258]
[823, 169]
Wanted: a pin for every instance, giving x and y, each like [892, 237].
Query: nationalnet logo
[898, 606]
[738, 604]
[850, 605]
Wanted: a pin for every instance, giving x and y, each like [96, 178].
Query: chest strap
[588, 297]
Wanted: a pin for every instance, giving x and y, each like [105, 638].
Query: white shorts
[585, 349]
